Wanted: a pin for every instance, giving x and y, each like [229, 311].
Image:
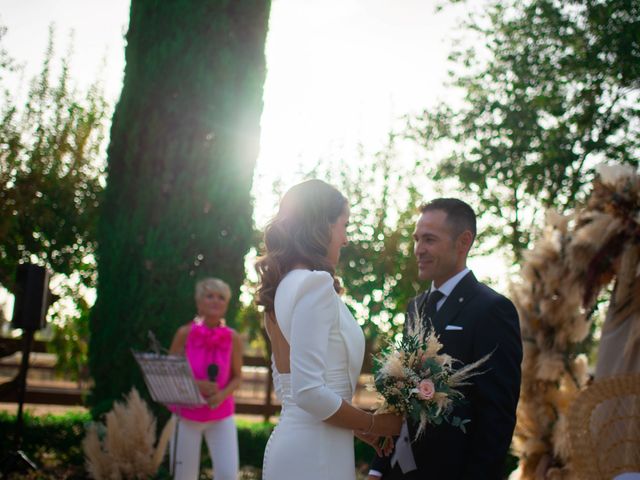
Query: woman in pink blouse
[207, 341]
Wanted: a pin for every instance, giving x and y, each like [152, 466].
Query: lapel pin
[461, 299]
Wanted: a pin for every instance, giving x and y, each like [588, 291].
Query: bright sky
[98, 27]
[340, 72]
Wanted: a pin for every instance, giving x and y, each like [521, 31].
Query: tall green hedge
[177, 205]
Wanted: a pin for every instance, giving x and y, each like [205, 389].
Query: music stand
[170, 381]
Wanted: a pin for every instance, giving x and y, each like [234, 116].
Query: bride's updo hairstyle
[299, 234]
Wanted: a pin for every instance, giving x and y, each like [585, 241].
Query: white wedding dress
[326, 352]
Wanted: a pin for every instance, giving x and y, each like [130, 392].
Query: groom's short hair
[459, 214]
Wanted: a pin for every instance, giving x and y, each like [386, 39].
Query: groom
[471, 320]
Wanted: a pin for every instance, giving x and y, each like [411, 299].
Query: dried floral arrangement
[125, 446]
[419, 382]
[561, 278]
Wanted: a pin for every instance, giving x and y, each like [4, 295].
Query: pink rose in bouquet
[426, 389]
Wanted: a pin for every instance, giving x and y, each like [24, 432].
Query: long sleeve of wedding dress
[314, 314]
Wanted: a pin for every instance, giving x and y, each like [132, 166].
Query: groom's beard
[437, 268]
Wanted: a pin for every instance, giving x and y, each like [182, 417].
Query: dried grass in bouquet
[419, 382]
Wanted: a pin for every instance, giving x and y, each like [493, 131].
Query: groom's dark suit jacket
[489, 323]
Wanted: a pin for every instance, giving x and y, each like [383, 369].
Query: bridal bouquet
[418, 382]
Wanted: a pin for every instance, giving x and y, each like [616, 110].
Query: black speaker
[31, 297]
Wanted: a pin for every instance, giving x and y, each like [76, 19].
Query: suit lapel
[461, 294]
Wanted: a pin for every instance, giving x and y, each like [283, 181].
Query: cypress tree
[177, 206]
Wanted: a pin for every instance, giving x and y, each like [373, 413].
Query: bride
[317, 345]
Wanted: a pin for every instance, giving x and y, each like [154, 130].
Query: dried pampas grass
[561, 446]
[126, 449]
[614, 174]
[550, 366]
[573, 260]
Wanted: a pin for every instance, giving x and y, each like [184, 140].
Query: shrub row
[57, 440]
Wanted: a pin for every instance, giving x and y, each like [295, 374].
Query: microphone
[212, 372]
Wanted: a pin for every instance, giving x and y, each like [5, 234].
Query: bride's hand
[382, 445]
[387, 424]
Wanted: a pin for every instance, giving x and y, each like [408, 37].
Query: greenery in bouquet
[419, 382]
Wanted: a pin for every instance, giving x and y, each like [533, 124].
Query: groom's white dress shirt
[403, 455]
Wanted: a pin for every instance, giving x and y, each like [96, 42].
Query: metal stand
[16, 460]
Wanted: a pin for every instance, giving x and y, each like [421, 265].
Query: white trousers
[222, 439]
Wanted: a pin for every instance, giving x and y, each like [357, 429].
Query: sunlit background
[341, 74]
[358, 92]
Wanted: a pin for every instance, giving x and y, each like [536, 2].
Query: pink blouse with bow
[203, 347]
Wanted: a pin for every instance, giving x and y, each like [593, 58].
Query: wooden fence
[254, 397]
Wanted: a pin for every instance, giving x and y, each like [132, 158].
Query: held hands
[382, 445]
[379, 434]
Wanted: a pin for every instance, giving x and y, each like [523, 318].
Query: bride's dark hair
[299, 234]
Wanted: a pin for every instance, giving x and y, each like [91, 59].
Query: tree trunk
[177, 205]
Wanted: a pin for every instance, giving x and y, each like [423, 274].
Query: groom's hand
[387, 446]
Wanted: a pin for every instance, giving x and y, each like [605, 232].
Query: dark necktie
[431, 307]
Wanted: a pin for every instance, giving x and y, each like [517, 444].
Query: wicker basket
[604, 428]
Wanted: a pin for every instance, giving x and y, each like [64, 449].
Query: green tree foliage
[7, 64]
[377, 267]
[177, 204]
[550, 89]
[50, 175]
[51, 168]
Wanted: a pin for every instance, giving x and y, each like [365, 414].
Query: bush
[252, 440]
[54, 442]
[42, 436]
